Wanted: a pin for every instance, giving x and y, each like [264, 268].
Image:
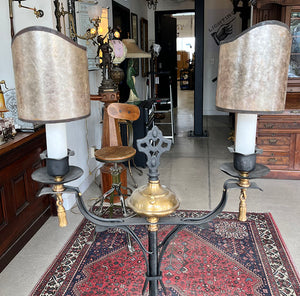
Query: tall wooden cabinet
[279, 135]
[21, 211]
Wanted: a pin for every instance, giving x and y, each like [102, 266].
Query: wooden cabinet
[279, 137]
[21, 212]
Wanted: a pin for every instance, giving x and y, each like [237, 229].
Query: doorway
[174, 31]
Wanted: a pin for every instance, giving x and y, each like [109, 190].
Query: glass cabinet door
[293, 16]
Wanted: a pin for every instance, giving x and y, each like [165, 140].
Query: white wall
[217, 14]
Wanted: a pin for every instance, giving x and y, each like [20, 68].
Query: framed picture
[121, 19]
[135, 36]
[144, 46]
[134, 28]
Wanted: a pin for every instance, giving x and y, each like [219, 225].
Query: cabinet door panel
[3, 220]
[18, 184]
[297, 152]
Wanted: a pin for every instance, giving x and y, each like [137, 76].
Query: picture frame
[134, 27]
[121, 19]
[144, 46]
[135, 37]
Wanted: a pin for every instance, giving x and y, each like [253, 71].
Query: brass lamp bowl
[153, 200]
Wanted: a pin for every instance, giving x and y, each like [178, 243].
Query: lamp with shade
[133, 52]
[52, 87]
[252, 79]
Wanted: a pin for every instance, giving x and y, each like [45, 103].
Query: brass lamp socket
[58, 188]
[244, 180]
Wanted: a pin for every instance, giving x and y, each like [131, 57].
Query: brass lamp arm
[38, 13]
[88, 35]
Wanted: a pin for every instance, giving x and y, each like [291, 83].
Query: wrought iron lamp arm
[92, 217]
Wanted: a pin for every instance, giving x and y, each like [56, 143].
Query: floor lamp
[153, 203]
[52, 87]
[252, 79]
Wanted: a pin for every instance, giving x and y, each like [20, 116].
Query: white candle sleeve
[56, 138]
[245, 133]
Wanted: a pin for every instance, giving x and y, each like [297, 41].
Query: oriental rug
[226, 258]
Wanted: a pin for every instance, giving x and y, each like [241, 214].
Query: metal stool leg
[131, 175]
[116, 187]
[129, 243]
[99, 209]
[140, 172]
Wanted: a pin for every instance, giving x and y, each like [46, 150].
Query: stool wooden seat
[115, 154]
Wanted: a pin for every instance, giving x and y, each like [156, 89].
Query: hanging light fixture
[152, 4]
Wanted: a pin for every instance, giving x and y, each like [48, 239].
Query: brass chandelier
[152, 4]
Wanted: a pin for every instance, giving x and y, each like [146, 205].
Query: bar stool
[116, 155]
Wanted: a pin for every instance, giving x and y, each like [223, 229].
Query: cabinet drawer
[273, 125]
[273, 140]
[274, 158]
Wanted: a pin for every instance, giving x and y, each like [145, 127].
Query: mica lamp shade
[253, 70]
[51, 76]
[133, 51]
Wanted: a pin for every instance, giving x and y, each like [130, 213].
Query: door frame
[199, 63]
